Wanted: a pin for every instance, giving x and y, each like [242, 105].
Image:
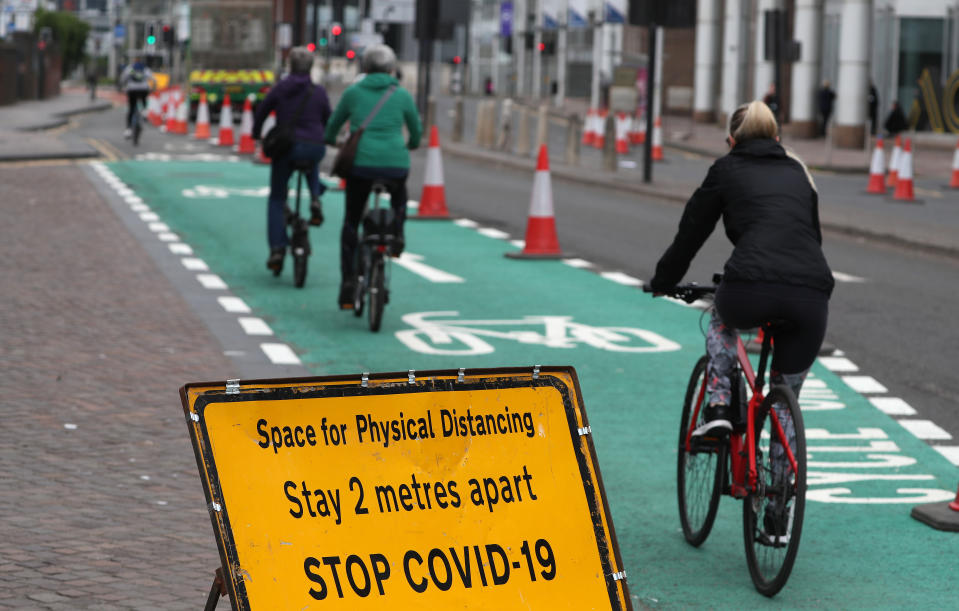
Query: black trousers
[357, 193]
[746, 305]
[133, 96]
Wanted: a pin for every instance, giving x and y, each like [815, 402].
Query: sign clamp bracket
[621, 575]
[584, 430]
[233, 386]
[536, 372]
[461, 375]
[412, 376]
[365, 380]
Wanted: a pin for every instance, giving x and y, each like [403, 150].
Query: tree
[69, 32]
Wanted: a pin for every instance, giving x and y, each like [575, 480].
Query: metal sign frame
[197, 397]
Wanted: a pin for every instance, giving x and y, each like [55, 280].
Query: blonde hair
[753, 121]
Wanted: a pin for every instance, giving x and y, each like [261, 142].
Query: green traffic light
[323, 42]
[151, 40]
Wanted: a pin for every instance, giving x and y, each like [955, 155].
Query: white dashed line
[179, 248]
[133, 199]
[149, 217]
[280, 354]
[621, 278]
[925, 429]
[168, 236]
[864, 384]
[158, 227]
[254, 326]
[233, 305]
[139, 207]
[195, 265]
[491, 232]
[578, 263]
[950, 452]
[211, 281]
[841, 277]
[838, 364]
[414, 263]
[413, 204]
[466, 223]
[518, 243]
[894, 406]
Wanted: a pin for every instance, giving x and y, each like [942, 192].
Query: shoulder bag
[343, 162]
[279, 140]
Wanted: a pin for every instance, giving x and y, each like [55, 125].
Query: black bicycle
[299, 228]
[377, 242]
[136, 122]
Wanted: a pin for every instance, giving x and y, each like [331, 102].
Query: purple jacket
[285, 97]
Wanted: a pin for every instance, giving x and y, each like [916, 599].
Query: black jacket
[771, 215]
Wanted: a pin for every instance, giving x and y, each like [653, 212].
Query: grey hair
[301, 60]
[379, 58]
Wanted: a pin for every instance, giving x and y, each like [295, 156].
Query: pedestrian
[295, 99]
[873, 103]
[895, 120]
[91, 70]
[825, 98]
[382, 154]
[777, 270]
[488, 86]
[771, 99]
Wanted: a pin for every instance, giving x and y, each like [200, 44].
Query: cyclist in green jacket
[382, 155]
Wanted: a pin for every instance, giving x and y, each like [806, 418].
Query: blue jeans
[280, 171]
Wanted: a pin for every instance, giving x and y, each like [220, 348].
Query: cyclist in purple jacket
[286, 98]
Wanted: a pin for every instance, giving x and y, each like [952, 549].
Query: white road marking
[179, 248]
[491, 232]
[864, 384]
[254, 326]
[413, 204]
[466, 223]
[414, 264]
[139, 207]
[211, 281]
[159, 227]
[518, 243]
[894, 406]
[578, 263]
[950, 452]
[925, 429]
[842, 277]
[195, 265]
[149, 216]
[168, 236]
[233, 304]
[280, 354]
[621, 278]
[838, 364]
[133, 199]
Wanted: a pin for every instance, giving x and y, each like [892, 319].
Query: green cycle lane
[633, 355]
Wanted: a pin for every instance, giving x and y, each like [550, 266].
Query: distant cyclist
[777, 271]
[382, 155]
[136, 80]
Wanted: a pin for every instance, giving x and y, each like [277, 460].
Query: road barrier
[182, 116]
[589, 128]
[433, 198]
[172, 106]
[225, 135]
[153, 110]
[637, 129]
[877, 170]
[622, 134]
[541, 239]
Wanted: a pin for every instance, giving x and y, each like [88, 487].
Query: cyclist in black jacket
[777, 271]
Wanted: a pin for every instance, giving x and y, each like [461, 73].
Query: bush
[69, 32]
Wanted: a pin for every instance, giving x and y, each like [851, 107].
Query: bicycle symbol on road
[442, 333]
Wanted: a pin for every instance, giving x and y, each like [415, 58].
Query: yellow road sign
[435, 490]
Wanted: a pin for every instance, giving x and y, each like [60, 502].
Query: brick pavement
[101, 506]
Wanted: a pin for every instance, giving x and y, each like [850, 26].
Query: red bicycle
[762, 461]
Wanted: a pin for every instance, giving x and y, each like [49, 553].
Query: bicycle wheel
[300, 249]
[137, 128]
[699, 469]
[773, 515]
[359, 296]
[377, 294]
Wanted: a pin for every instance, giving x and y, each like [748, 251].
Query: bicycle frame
[744, 475]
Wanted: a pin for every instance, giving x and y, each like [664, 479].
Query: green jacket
[381, 145]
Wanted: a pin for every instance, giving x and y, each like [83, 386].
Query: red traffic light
[457, 59]
[311, 47]
[336, 30]
[350, 54]
[542, 46]
[166, 28]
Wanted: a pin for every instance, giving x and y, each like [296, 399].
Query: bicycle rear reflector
[426, 490]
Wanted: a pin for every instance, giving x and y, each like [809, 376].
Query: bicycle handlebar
[687, 292]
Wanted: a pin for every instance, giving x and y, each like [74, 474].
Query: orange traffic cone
[247, 146]
[170, 126]
[877, 171]
[433, 199]
[622, 133]
[954, 183]
[541, 239]
[600, 140]
[637, 131]
[202, 129]
[657, 152]
[182, 117]
[268, 124]
[225, 137]
[589, 128]
[894, 160]
[153, 110]
[904, 182]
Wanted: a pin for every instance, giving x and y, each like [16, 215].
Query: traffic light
[323, 41]
[311, 47]
[457, 59]
[168, 35]
[350, 54]
[151, 37]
